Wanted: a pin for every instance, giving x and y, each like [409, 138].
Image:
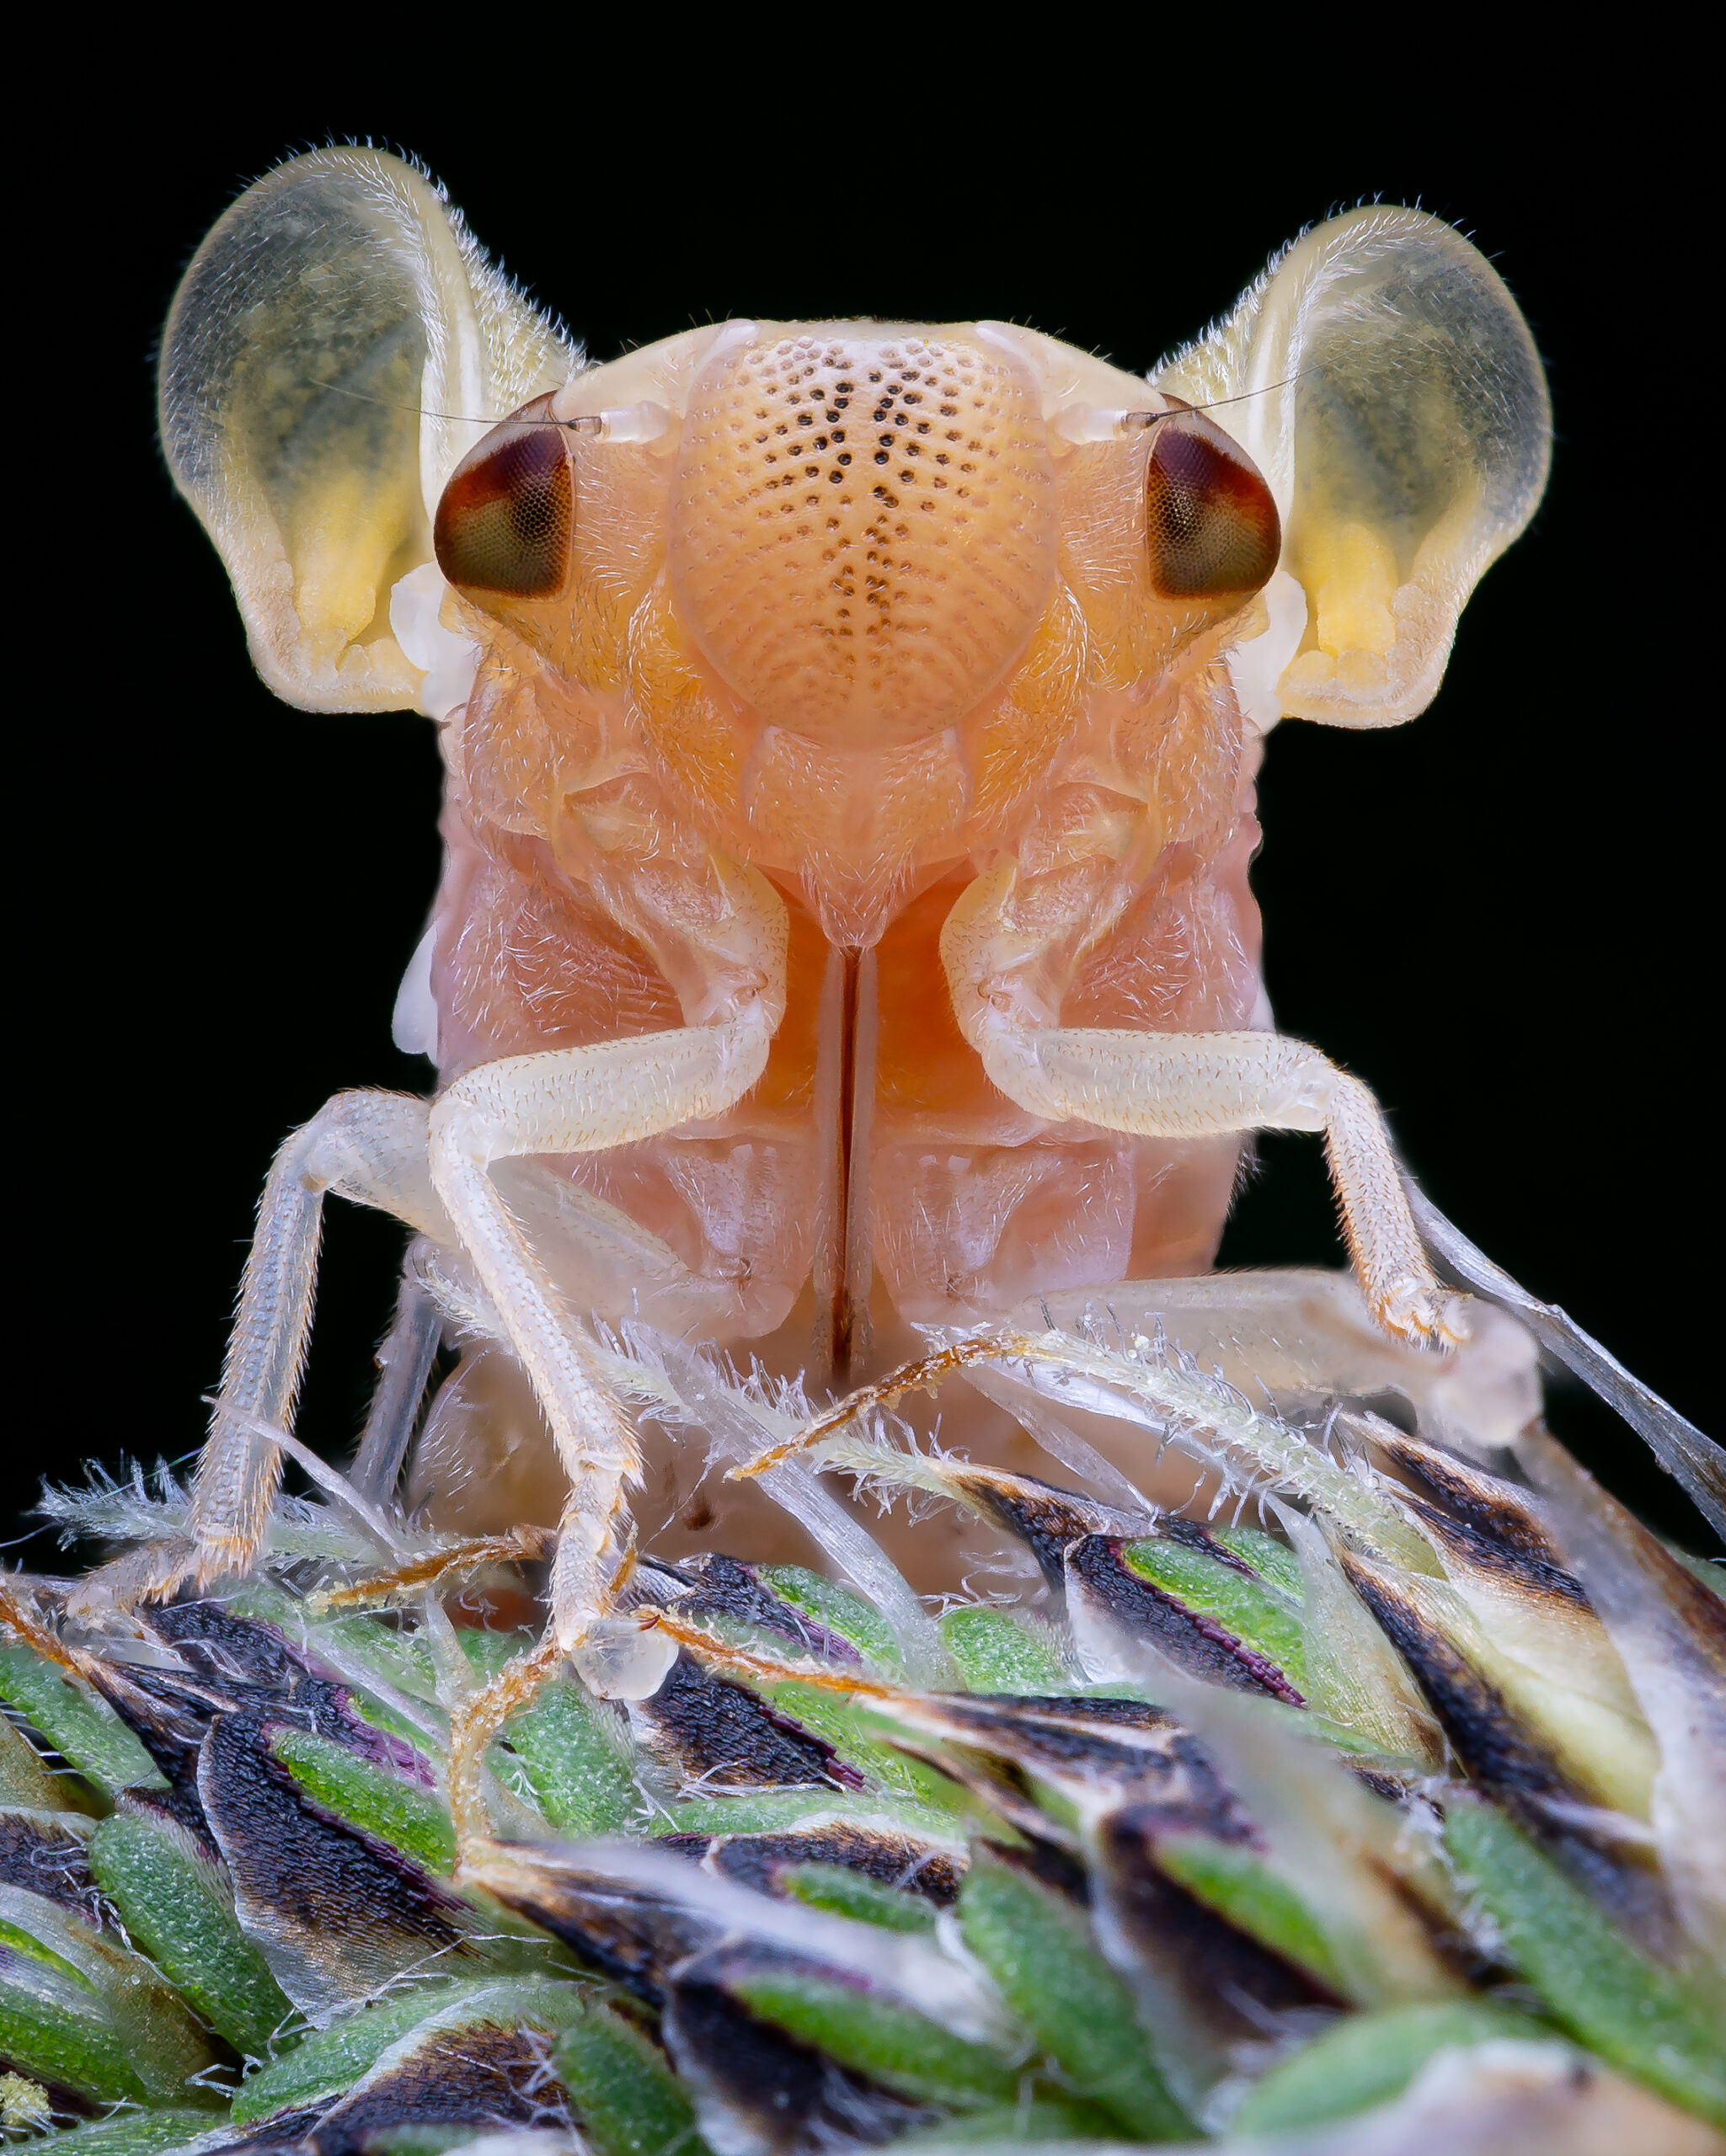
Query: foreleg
[571, 1101]
[574, 1101]
[1195, 1086]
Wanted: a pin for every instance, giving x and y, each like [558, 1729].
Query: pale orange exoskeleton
[851, 730]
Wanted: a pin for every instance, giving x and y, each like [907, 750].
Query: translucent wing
[338, 310]
[1399, 412]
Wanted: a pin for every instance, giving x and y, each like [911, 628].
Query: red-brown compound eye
[1210, 523]
[506, 516]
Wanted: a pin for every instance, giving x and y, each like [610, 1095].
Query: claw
[154, 1572]
[1416, 1308]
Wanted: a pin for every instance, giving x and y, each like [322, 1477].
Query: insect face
[862, 535]
[877, 542]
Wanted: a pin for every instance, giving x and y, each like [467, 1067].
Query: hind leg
[404, 1364]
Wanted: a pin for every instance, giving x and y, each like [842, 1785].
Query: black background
[1501, 916]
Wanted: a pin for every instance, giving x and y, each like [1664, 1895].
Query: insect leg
[591, 1248]
[1200, 1085]
[1189, 1086]
[575, 1101]
[569, 1100]
[1180, 1086]
[370, 1148]
[403, 1366]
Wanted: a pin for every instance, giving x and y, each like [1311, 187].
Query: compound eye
[506, 516]
[1210, 523]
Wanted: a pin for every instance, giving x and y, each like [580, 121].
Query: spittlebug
[851, 730]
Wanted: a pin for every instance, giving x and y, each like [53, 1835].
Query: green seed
[1259, 1616]
[131, 2133]
[577, 1758]
[48, 2031]
[1243, 1889]
[1638, 2017]
[833, 1716]
[19, 1941]
[836, 1610]
[1274, 1562]
[891, 2042]
[628, 2101]
[25, 1782]
[329, 2061]
[848, 1894]
[412, 1820]
[489, 1654]
[1366, 2059]
[998, 1652]
[81, 1726]
[177, 1908]
[1040, 1953]
[777, 1812]
[1043, 2118]
[78, 2007]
